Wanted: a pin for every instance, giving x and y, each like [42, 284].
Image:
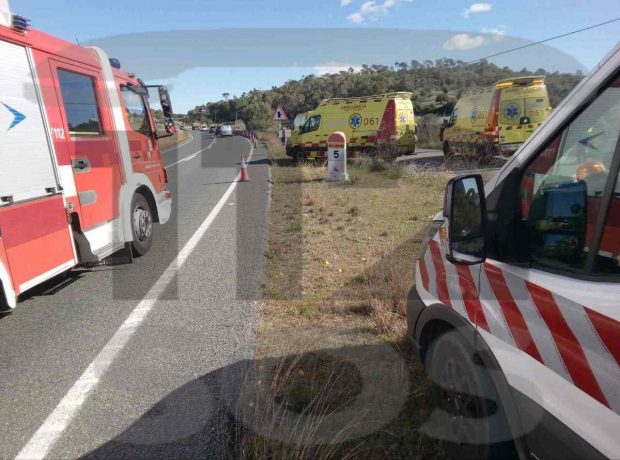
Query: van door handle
[81, 165]
[136, 156]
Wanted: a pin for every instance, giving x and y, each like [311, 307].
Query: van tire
[300, 157]
[369, 152]
[463, 391]
[141, 225]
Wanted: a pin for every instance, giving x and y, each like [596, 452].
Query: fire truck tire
[470, 418]
[141, 225]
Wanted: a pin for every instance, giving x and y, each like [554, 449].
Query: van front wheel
[471, 417]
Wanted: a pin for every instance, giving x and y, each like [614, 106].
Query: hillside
[436, 86]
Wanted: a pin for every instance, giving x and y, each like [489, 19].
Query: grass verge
[340, 264]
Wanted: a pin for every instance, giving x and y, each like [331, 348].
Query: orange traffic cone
[244, 171]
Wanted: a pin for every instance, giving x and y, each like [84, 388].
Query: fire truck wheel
[469, 416]
[142, 225]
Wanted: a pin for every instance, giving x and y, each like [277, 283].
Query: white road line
[46, 436]
[193, 155]
[191, 138]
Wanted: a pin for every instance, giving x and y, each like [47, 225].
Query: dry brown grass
[340, 264]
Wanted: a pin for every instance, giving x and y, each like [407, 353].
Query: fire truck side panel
[36, 240]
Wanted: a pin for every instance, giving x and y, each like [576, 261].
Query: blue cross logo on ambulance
[511, 111]
[17, 116]
[355, 121]
[403, 118]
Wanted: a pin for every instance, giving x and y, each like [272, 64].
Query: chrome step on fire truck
[81, 172]
[516, 309]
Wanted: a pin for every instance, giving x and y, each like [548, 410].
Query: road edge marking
[191, 155]
[39, 445]
[170, 149]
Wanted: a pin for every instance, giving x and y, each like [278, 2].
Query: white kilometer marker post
[46, 436]
[337, 157]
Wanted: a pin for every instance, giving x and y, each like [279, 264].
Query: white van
[516, 309]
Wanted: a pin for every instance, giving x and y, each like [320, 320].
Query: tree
[448, 77]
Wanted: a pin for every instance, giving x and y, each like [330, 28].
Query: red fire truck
[81, 172]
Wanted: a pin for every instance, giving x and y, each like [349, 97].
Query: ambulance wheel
[471, 419]
[300, 157]
[446, 149]
[141, 225]
[369, 152]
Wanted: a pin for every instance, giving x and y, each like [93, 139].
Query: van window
[312, 124]
[562, 189]
[136, 111]
[80, 103]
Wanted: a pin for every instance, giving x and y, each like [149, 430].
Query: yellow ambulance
[497, 119]
[371, 123]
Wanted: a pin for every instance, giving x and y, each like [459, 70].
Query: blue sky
[480, 27]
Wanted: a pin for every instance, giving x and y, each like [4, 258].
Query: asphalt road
[204, 320]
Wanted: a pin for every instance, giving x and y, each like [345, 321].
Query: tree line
[436, 86]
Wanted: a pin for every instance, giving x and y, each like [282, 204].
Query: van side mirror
[465, 220]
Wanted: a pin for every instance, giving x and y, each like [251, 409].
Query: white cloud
[477, 8]
[345, 2]
[335, 67]
[463, 42]
[372, 10]
[497, 32]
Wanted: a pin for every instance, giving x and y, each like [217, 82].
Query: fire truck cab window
[562, 189]
[80, 103]
[136, 111]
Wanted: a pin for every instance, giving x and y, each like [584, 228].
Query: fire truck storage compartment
[34, 234]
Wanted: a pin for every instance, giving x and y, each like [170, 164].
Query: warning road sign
[279, 114]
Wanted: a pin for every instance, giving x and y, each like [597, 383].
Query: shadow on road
[364, 401]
